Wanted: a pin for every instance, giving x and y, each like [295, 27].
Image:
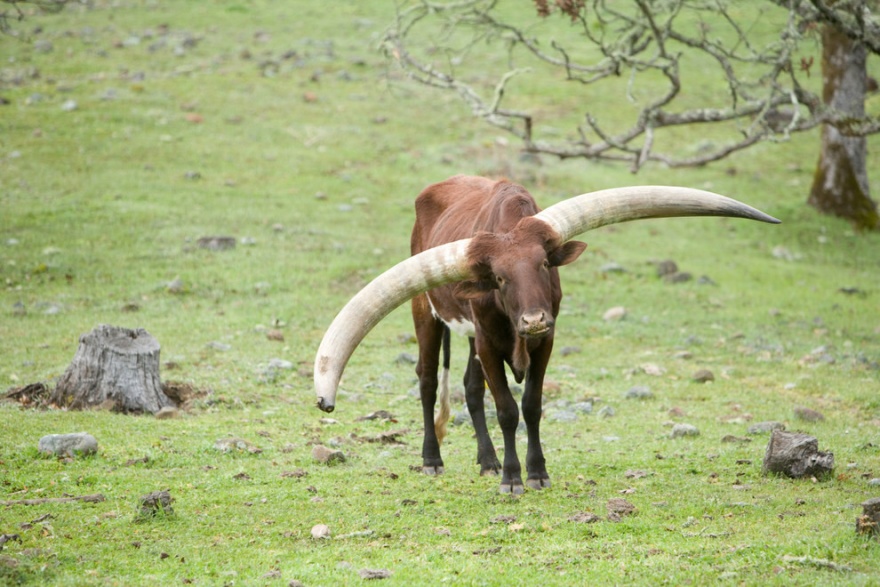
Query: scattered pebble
[614, 314]
[68, 445]
[368, 574]
[236, 444]
[639, 392]
[69, 105]
[682, 430]
[765, 427]
[155, 502]
[703, 376]
[605, 412]
[320, 531]
[328, 456]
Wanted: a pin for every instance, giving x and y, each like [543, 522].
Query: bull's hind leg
[429, 332]
[475, 390]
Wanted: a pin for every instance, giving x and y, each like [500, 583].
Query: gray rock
[612, 267]
[639, 392]
[765, 427]
[583, 407]
[328, 456]
[155, 502]
[280, 364]
[667, 267]
[68, 445]
[875, 481]
[703, 376]
[796, 455]
[562, 416]
[462, 417]
[605, 412]
[237, 444]
[682, 430]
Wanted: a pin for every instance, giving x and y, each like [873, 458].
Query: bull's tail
[444, 410]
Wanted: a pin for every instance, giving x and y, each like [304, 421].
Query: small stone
[605, 412]
[583, 407]
[874, 482]
[808, 415]
[236, 444]
[69, 105]
[614, 314]
[569, 350]
[275, 334]
[328, 456]
[667, 267]
[320, 531]
[765, 427]
[216, 243]
[155, 502]
[682, 430]
[639, 392]
[68, 445]
[406, 359]
[280, 364]
[167, 413]
[703, 376]
[368, 574]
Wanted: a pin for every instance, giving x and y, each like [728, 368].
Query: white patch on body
[460, 327]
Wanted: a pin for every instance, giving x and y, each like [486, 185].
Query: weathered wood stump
[116, 368]
[869, 521]
[796, 455]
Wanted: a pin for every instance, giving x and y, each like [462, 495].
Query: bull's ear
[567, 253]
[469, 290]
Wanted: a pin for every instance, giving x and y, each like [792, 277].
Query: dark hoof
[511, 488]
[489, 471]
[432, 471]
[538, 483]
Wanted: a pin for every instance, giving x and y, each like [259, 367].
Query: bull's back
[462, 205]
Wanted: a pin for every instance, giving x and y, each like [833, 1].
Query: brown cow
[484, 263]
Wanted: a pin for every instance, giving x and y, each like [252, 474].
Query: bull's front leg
[532, 409]
[508, 420]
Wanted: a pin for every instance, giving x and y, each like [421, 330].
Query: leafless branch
[766, 99]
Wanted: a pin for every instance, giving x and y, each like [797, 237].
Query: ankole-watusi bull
[484, 262]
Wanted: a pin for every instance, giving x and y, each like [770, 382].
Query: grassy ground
[281, 125]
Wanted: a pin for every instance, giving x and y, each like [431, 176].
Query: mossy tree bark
[114, 367]
[840, 184]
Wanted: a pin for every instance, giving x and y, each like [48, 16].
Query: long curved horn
[447, 263]
[579, 214]
[416, 274]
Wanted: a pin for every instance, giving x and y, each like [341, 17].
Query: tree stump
[869, 521]
[116, 368]
[796, 455]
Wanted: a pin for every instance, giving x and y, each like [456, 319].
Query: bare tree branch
[767, 99]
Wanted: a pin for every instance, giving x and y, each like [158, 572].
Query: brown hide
[515, 296]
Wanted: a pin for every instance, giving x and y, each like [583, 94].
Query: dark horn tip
[325, 407]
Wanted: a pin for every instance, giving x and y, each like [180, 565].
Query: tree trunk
[116, 368]
[840, 184]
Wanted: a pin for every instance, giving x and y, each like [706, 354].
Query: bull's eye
[499, 280]
[546, 263]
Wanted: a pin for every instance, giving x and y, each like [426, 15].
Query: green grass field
[134, 128]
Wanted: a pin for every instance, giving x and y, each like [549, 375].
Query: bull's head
[519, 267]
[454, 262]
